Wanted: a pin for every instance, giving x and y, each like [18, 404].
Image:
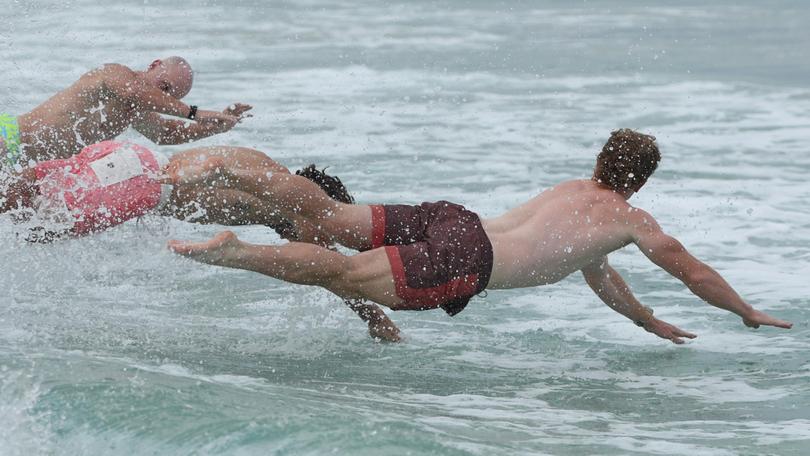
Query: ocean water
[111, 345]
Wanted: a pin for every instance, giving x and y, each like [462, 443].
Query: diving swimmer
[111, 182]
[440, 255]
[106, 101]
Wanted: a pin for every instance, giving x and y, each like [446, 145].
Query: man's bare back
[87, 112]
[558, 232]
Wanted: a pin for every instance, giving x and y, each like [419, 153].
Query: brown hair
[627, 160]
[330, 184]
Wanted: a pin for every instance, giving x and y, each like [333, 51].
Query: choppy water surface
[110, 345]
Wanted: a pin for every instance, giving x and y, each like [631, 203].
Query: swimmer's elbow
[596, 279]
[595, 271]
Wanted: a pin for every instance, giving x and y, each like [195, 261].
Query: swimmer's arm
[670, 255]
[379, 325]
[608, 284]
[122, 83]
[164, 131]
[613, 291]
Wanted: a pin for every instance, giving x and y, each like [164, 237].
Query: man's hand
[755, 318]
[216, 122]
[384, 329]
[665, 330]
[238, 110]
[379, 325]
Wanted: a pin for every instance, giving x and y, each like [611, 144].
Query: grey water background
[111, 345]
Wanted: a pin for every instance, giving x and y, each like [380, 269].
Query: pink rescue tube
[105, 185]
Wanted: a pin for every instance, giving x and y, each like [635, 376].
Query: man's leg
[234, 207]
[227, 156]
[294, 196]
[211, 204]
[223, 206]
[363, 276]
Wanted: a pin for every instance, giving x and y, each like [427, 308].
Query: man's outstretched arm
[122, 83]
[702, 280]
[164, 131]
[613, 291]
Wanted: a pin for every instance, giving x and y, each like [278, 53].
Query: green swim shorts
[10, 132]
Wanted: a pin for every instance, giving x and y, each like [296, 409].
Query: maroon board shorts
[439, 253]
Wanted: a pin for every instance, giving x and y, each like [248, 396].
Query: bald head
[172, 75]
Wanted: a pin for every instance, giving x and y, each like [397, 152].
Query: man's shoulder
[110, 70]
[640, 220]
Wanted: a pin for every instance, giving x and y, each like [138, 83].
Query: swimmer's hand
[756, 318]
[384, 330]
[667, 331]
[238, 110]
[216, 122]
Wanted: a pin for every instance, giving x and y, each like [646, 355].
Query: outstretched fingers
[758, 318]
[682, 333]
[238, 110]
[677, 333]
[667, 331]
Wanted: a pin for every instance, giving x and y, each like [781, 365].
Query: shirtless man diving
[102, 104]
[440, 254]
[204, 203]
[89, 200]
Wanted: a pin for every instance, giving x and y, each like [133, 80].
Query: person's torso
[556, 233]
[83, 114]
[105, 185]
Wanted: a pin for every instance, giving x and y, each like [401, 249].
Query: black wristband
[642, 323]
[192, 112]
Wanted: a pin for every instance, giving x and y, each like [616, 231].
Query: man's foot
[219, 250]
[186, 174]
[757, 318]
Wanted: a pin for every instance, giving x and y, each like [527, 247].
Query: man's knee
[367, 276]
[345, 280]
[316, 265]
